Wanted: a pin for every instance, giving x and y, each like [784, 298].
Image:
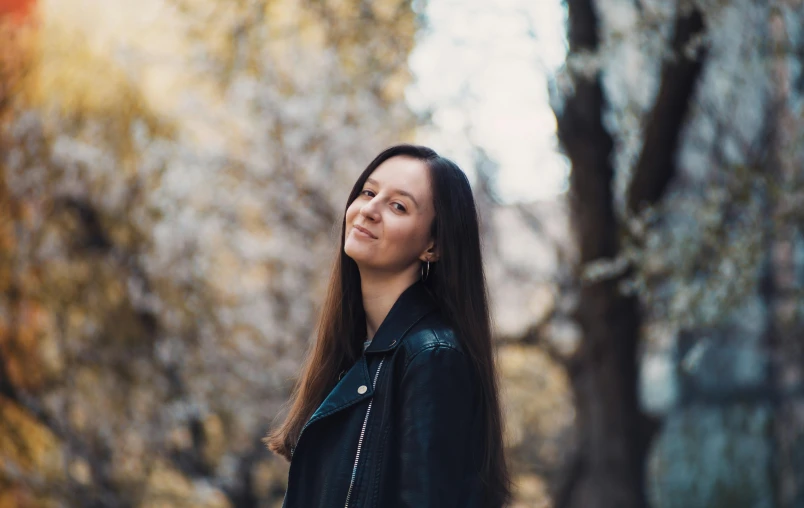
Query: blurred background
[173, 173]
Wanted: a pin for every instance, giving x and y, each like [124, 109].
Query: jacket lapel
[347, 392]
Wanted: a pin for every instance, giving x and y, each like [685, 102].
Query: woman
[397, 403]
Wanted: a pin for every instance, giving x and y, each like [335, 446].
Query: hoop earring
[424, 273]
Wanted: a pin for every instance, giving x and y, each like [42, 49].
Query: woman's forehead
[404, 174]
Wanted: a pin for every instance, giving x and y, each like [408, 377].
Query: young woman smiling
[397, 403]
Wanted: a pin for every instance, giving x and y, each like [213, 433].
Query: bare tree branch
[656, 165]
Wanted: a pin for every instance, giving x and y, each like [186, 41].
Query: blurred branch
[656, 165]
[93, 237]
[242, 494]
[538, 335]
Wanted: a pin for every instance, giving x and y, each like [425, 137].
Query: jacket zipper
[362, 433]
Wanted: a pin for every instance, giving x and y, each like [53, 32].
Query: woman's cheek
[406, 235]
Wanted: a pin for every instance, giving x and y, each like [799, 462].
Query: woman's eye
[399, 207]
[368, 193]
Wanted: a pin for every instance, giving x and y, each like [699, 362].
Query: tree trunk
[608, 469]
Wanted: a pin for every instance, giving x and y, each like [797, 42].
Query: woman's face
[388, 224]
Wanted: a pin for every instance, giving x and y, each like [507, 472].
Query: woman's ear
[431, 254]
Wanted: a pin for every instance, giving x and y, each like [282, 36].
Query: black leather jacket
[401, 428]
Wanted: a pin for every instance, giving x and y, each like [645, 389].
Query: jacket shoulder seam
[427, 347]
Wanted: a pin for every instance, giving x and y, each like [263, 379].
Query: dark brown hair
[457, 283]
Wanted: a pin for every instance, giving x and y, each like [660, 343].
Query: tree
[684, 140]
[168, 226]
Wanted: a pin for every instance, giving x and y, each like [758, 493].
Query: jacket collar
[412, 305]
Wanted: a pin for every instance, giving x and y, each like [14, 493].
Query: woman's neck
[380, 292]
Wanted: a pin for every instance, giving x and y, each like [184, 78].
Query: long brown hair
[457, 282]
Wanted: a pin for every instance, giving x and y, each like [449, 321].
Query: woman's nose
[369, 210]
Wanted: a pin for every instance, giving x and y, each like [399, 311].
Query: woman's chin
[357, 254]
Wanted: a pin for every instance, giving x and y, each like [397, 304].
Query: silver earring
[424, 273]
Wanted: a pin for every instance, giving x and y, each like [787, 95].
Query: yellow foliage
[215, 440]
[74, 79]
[268, 474]
[26, 443]
[526, 370]
[19, 344]
[80, 89]
[16, 497]
[531, 491]
[168, 488]
[386, 11]
[14, 55]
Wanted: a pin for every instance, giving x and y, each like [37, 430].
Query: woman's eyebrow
[396, 191]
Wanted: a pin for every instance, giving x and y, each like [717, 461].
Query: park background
[172, 172]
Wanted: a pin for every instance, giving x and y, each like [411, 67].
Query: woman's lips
[364, 232]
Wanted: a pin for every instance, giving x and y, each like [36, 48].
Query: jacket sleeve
[436, 408]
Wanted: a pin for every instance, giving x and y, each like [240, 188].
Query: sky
[482, 69]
